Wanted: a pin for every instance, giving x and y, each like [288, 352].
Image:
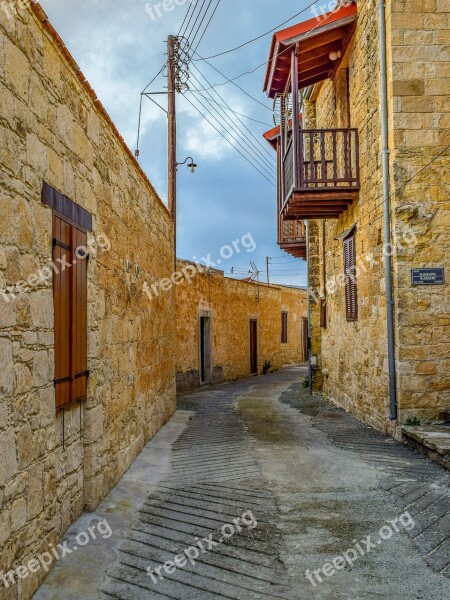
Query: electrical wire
[192, 42]
[202, 6]
[193, 7]
[235, 112]
[259, 36]
[270, 161]
[289, 47]
[239, 143]
[207, 25]
[154, 78]
[242, 139]
[237, 150]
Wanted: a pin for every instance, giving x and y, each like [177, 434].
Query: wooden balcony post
[295, 117]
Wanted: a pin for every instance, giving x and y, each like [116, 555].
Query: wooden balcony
[319, 173]
[292, 237]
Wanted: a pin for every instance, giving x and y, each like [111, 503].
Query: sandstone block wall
[53, 129]
[354, 354]
[231, 304]
[420, 108]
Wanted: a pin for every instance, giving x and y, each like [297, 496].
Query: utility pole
[172, 66]
[267, 268]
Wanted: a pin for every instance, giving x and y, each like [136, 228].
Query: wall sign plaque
[432, 276]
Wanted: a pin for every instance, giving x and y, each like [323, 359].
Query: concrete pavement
[263, 492]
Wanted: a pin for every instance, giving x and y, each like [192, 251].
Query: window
[351, 296]
[284, 327]
[70, 258]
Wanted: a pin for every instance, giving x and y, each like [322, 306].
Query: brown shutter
[62, 291]
[284, 327]
[70, 306]
[351, 296]
[79, 316]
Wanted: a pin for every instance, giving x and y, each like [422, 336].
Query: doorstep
[431, 440]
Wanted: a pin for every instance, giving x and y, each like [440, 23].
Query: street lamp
[191, 165]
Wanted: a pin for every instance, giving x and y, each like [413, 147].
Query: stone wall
[231, 304]
[354, 354]
[52, 128]
[420, 107]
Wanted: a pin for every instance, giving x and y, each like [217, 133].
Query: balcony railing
[326, 165]
[292, 237]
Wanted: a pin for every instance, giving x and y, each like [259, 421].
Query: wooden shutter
[284, 327]
[351, 296]
[62, 298]
[79, 316]
[70, 306]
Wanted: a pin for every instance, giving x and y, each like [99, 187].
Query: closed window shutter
[351, 296]
[70, 310]
[79, 316]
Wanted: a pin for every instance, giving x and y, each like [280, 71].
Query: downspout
[309, 310]
[387, 213]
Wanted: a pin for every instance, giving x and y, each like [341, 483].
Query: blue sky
[120, 48]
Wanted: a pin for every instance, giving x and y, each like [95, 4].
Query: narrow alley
[308, 484]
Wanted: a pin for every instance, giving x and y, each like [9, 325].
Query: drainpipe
[387, 213]
[309, 310]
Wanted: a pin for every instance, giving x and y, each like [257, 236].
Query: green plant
[266, 367]
[413, 422]
[305, 382]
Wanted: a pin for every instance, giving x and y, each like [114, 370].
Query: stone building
[88, 366]
[331, 175]
[69, 187]
[227, 329]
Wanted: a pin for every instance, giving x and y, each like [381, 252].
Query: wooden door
[305, 340]
[253, 347]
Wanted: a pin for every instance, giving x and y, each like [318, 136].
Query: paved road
[263, 492]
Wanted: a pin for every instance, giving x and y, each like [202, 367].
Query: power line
[234, 79]
[270, 160]
[265, 164]
[265, 169]
[197, 18]
[259, 36]
[202, 21]
[207, 25]
[193, 7]
[258, 156]
[235, 84]
[225, 138]
[235, 112]
[154, 78]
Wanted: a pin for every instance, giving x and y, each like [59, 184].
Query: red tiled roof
[280, 58]
[43, 18]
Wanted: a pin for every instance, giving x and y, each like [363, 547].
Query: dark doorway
[205, 349]
[305, 340]
[253, 347]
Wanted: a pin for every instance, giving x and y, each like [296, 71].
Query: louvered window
[351, 294]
